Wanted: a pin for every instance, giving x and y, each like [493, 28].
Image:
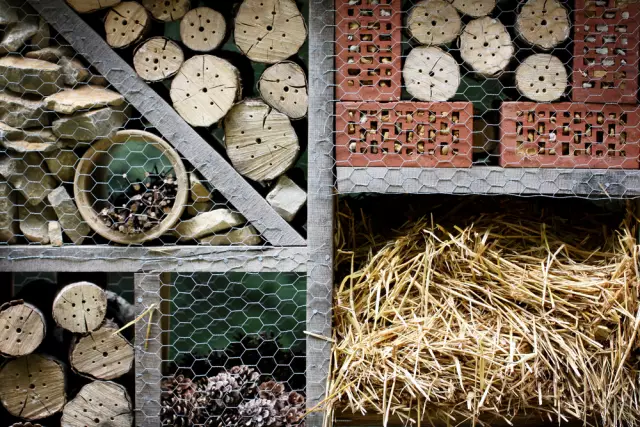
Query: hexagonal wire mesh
[488, 97]
[81, 165]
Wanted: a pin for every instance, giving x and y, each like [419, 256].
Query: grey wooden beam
[148, 350]
[598, 183]
[320, 203]
[167, 121]
[167, 259]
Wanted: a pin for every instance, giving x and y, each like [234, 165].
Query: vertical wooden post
[148, 349]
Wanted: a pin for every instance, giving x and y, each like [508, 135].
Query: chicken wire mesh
[81, 164]
[487, 97]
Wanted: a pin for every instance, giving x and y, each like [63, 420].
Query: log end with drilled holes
[543, 23]
[485, 44]
[404, 134]
[605, 51]
[260, 141]
[474, 8]
[434, 22]
[126, 24]
[157, 59]
[569, 135]
[167, 10]
[22, 328]
[102, 354]
[80, 307]
[32, 387]
[269, 31]
[203, 29]
[542, 78]
[100, 403]
[88, 6]
[284, 87]
[205, 90]
[431, 74]
[368, 51]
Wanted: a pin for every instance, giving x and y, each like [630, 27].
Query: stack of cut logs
[33, 384]
[206, 89]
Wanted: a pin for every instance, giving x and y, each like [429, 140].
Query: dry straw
[502, 317]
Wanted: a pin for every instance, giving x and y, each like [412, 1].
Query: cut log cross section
[543, 23]
[434, 22]
[126, 24]
[542, 78]
[103, 354]
[431, 74]
[157, 59]
[202, 29]
[485, 44]
[100, 403]
[167, 10]
[284, 87]
[22, 328]
[80, 307]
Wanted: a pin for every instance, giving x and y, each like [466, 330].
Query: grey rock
[287, 198]
[55, 233]
[34, 222]
[247, 236]
[8, 210]
[26, 173]
[208, 223]
[51, 54]
[73, 71]
[24, 141]
[62, 163]
[9, 11]
[17, 35]
[42, 38]
[33, 76]
[83, 98]
[90, 125]
[68, 215]
[22, 112]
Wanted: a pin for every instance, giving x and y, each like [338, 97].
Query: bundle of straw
[498, 318]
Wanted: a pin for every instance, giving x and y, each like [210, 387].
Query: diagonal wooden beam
[172, 127]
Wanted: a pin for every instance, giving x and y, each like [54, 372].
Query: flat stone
[247, 236]
[9, 11]
[17, 35]
[24, 141]
[26, 75]
[73, 71]
[195, 209]
[42, 38]
[55, 233]
[26, 173]
[84, 98]
[98, 80]
[68, 215]
[62, 163]
[199, 192]
[22, 112]
[34, 222]
[208, 223]
[51, 54]
[287, 198]
[8, 210]
[88, 6]
[91, 125]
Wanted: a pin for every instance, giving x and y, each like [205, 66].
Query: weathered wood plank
[165, 119]
[320, 203]
[603, 183]
[218, 259]
[148, 350]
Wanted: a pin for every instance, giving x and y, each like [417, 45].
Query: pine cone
[247, 378]
[271, 390]
[220, 392]
[178, 399]
[179, 386]
[258, 413]
[291, 409]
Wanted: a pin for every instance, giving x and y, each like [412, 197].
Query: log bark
[126, 24]
[434, 22]
[284, 87]
[205, 90]
[269, 31]
[485, 44]
[542, 78]
[260, 141]
[80, 307]
[158, 58]
[102, 354]
[543, 23]
[474, 8]
[167, 10]
[431, 74]
[32, 387]
[203, 29]
[22, 328]
[100, 403]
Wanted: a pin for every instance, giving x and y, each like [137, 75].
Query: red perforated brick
[408, 134]
[605, 63]
[368, 50]
[569, 135]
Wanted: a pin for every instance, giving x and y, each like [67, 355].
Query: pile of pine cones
[232, 398]
[142, 206]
